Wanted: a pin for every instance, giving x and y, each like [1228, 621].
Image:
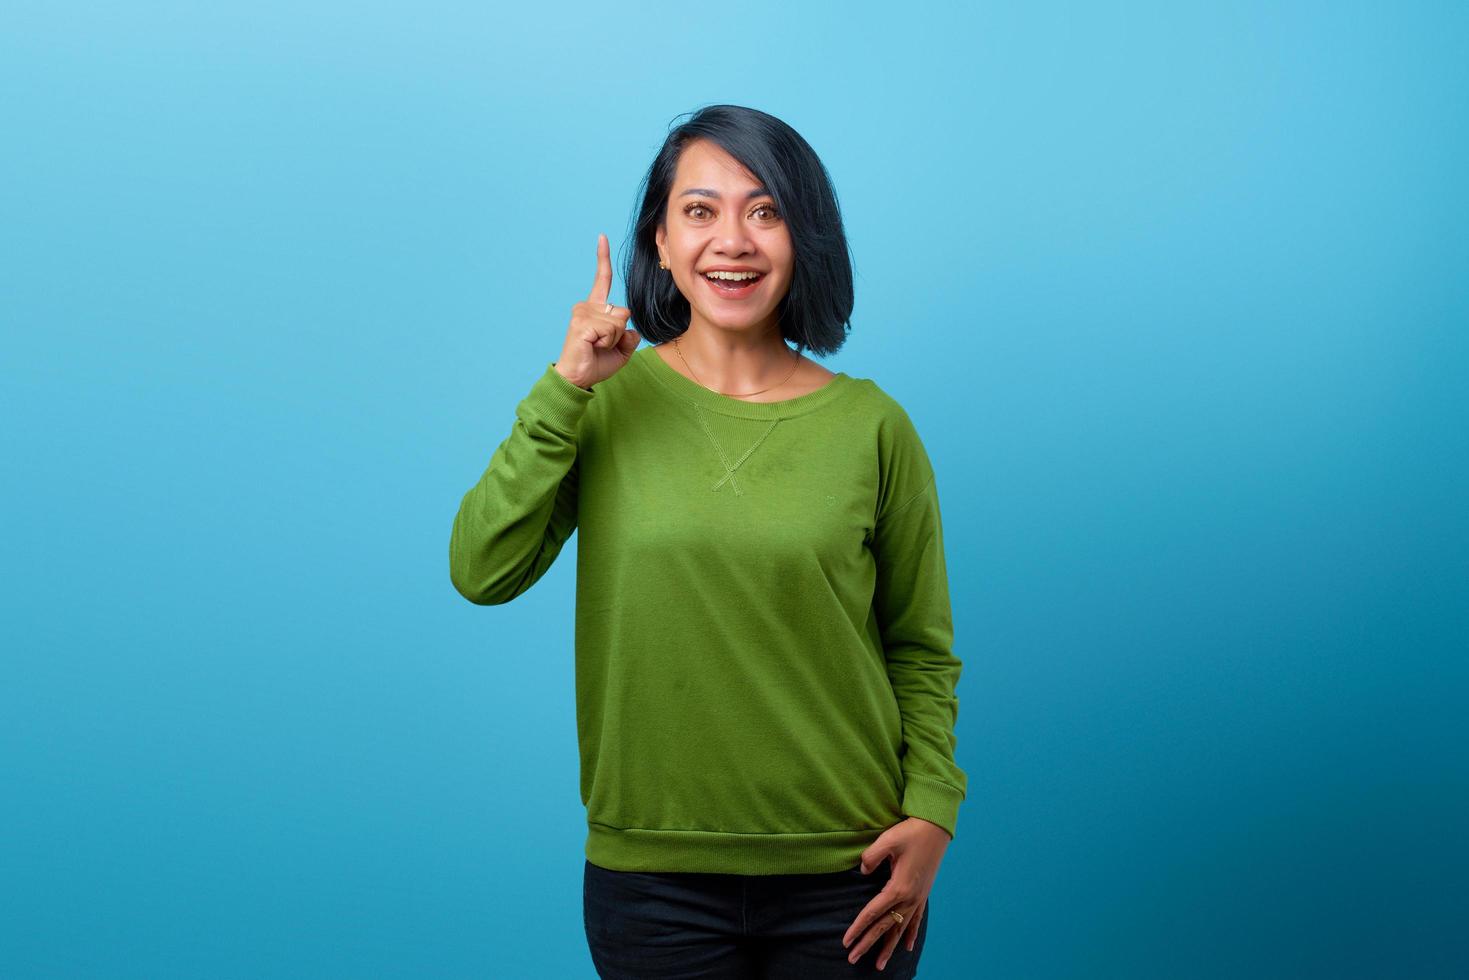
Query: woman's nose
[733, 236]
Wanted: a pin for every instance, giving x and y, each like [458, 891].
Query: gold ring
[608, 309]
[898, 914]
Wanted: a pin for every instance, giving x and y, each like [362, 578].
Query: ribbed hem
[557, 400]
[632, 849]
[933, 800]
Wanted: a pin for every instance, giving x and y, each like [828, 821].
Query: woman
[765, 686]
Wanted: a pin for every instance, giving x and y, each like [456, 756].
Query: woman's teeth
[732, 276]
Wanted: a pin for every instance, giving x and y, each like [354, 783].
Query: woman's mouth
[734, 288]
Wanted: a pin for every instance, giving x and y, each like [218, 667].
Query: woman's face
[719, 217]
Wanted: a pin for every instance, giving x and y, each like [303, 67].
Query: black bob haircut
[815, 314]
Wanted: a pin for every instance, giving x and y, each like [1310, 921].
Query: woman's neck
[733, 363]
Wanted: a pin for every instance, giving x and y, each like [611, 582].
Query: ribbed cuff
[932, 800]
[557, 400]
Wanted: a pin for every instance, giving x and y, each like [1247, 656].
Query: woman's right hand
[599, 341]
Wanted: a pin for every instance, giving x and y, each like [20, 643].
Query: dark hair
[815, 313]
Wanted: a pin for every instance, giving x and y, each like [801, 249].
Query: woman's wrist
[572, 380]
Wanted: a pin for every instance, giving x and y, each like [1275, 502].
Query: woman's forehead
[704, 165]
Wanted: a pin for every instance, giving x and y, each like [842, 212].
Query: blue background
[1175, 293]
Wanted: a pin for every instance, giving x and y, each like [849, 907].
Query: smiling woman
[765, 679]
[704, 210]
[728, 250]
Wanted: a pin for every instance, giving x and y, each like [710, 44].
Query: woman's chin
[735, 319]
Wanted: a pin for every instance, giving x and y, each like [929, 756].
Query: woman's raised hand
[599, 341]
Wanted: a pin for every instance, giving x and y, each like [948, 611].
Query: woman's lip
[739, 293]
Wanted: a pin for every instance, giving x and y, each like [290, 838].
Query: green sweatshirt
[765, 679]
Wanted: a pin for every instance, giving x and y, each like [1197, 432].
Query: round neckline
[690, 390]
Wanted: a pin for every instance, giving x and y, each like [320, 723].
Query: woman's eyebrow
[706, 192]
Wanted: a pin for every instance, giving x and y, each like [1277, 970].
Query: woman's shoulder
[897, 436]
[879, 401]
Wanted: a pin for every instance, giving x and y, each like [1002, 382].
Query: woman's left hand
[915, 846]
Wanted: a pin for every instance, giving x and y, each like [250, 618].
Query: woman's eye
[692, 210]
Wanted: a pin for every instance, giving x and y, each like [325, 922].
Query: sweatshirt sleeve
[512, 523]
[911, 600]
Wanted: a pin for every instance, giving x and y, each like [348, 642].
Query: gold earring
[661, 265]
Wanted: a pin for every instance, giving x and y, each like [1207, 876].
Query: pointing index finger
[603, 283]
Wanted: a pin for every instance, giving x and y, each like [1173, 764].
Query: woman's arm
[512, 523]
[911, 599]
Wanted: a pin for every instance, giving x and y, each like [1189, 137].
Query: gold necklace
[727, 394]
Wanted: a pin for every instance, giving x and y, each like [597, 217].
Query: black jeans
[673, 925]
